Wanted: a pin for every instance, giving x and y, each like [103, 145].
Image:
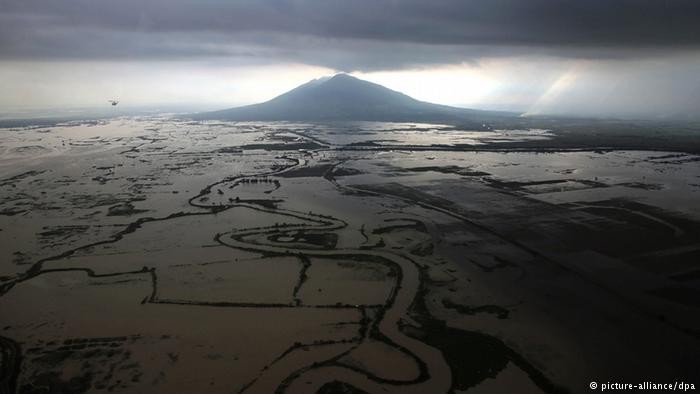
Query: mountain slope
[343, 97]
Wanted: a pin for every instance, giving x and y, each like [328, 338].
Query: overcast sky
[587, 57]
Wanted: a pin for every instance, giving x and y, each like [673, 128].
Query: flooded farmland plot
[150, 254]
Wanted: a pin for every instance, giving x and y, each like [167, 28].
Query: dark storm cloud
[358, 34]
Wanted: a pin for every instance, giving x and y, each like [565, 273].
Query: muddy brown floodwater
[159, 255]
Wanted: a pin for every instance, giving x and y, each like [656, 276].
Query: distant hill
[346, 98]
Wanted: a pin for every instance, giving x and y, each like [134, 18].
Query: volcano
[345, 98]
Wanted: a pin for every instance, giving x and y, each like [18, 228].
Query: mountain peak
[343, 76]
[329, 79]
[344, 81]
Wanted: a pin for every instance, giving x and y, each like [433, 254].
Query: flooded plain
[159, 255]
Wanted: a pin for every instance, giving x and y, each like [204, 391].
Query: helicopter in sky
[113, 102]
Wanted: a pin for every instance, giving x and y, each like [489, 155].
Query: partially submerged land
[157, 255]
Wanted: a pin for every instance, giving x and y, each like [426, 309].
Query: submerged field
[157, 255]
